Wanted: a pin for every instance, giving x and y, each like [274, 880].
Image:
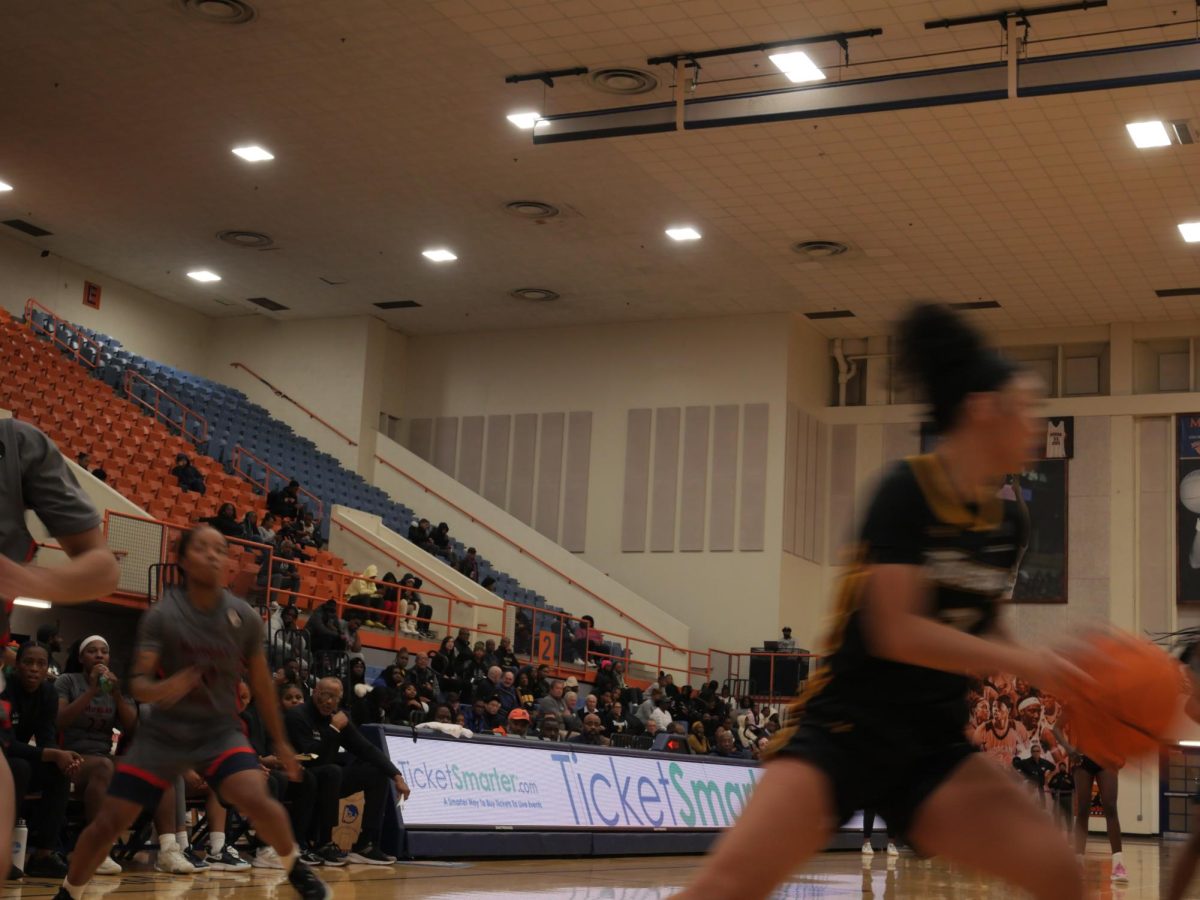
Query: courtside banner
[514, 784]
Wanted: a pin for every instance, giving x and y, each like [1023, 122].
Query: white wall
[144, 323]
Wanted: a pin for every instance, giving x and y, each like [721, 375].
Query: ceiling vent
[1183, 132]
[622, 81]
[248, 240]
[531, 209]
[1178, 292]
[266, 303]
[976, 304]
[820, 249]
[220, 12]
[534, 295]
[398, 304]
[27, 227]
[830, 314]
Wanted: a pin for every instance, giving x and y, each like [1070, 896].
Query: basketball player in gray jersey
[191, 650]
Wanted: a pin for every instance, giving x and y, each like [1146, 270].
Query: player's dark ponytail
[947, 358]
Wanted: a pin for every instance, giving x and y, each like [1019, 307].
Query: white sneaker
[173, 862]
[109, 867]
[867, 849]
[891, 849]
[266, 858]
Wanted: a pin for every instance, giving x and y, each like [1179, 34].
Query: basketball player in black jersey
[917, 613]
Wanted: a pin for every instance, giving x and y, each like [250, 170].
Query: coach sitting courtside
[318, 727]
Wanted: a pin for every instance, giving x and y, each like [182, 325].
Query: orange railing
[241, 455]
[282, 396]
[55, 334]
[770, 677]
[549, 567]
[167, 408]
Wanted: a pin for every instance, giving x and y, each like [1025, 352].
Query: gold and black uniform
[886, 733]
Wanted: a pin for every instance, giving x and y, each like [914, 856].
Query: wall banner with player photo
[1187, 508]
[1043, 486]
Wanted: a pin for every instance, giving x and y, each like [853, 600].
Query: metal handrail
[31, 304]
[156, 409]
[240, 452]
[296, 403]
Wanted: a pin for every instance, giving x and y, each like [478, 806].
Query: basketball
[1134, 699]
[1189, 491]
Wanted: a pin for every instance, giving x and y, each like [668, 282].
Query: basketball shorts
[868, 771]
[153, 763]
[1090, 766]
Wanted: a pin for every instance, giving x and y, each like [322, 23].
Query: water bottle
[19, 840]
[105, 685]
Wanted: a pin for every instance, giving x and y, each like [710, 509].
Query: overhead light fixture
[254, 153]
[525, 120]
[797, 66]
[1148, 134]
[440, 254]
[1189, 743]
[203, 275]
[5, 186]
[31, 602]
[683, 233]
[1190, 231]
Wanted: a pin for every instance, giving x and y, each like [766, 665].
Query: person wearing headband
[936, 554]
[90, 705]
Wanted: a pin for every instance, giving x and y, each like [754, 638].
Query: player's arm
[90, 572]
[266, 700]
[146, 687]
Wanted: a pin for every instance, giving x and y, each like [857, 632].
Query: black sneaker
[52, 866]
[332, 855]
[369, 855]
[15, 874]
[311, 858]
[306, 883]
[62, 893]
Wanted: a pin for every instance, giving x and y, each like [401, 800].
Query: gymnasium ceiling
[387, 120]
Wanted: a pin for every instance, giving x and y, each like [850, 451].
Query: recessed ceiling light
[204, 275]
[797, 66]
[1190, 231]
[525, 120]
[5, 186]
[254, 153]
[1148, 134]
[441, 254]
[683, 233]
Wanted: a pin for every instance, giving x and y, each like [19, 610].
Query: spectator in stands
[590, 704]
[290, 695]
[726, 748]
[226, 521]
[48, 637]
[389, 600]
[605, 680]
[518, 725]
[250, 525]
[99, 474]
[46, 768]
[285, 502]
[188, 476]
[486, 690]
[698, 740]
[422, 675]
[525, 696]
[592, 732]
[403, 660]
[90, 706]
[651, 730]
[419, 534]
[462, 644]
[365, 598]
[288, 641]
[409, 708]
[306, 531]
[319, 728]
[268, 529]
[488, 583]
[325, 635]
[550, 728]
[786, 642]
[417, 612]
[473, 671]
[552, 704]
[83, 460]
[489, 652]
[469, 565]
[282, 572]
[507, 693]
[649, 704]
[617, 722]
[585, 639]
[442, 715]
[572, 724]
[443, 663]
[542, 681]
[441, 542]
[661, 712]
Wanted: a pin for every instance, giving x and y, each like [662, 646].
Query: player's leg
[246, 791]
[8, 807]
[868, 831]
[92, 780]
[1083, 806]
[1011, 840]
[1106, 781]
[789, 818]
[116, 814]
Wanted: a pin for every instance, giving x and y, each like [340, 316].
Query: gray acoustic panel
[445, 443]
[575, 482]
[807, 485]
[900, 439]
[753, 516]
[694, 482]
[495, 470]
[724, 478]
[420, 438]
[470, 452]
[791, 495]
[814, 541]
[664, 490]
[844, 445]
[637, 481]
[1156, 550]
[524, 456]
[549, 476]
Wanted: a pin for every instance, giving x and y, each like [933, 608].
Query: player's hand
[286, 757]
[172, 690]
[1056, 674]
[340, 720]
[67, 761]
[270, 762]
[16, 580]
[402, 787]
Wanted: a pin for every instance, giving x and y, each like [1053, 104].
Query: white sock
[75, 892]
[216, 842]
[166, 842]
[1117, 859]
[289, 859]
[182, 837]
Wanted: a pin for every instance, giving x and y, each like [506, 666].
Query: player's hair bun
[948, 359]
